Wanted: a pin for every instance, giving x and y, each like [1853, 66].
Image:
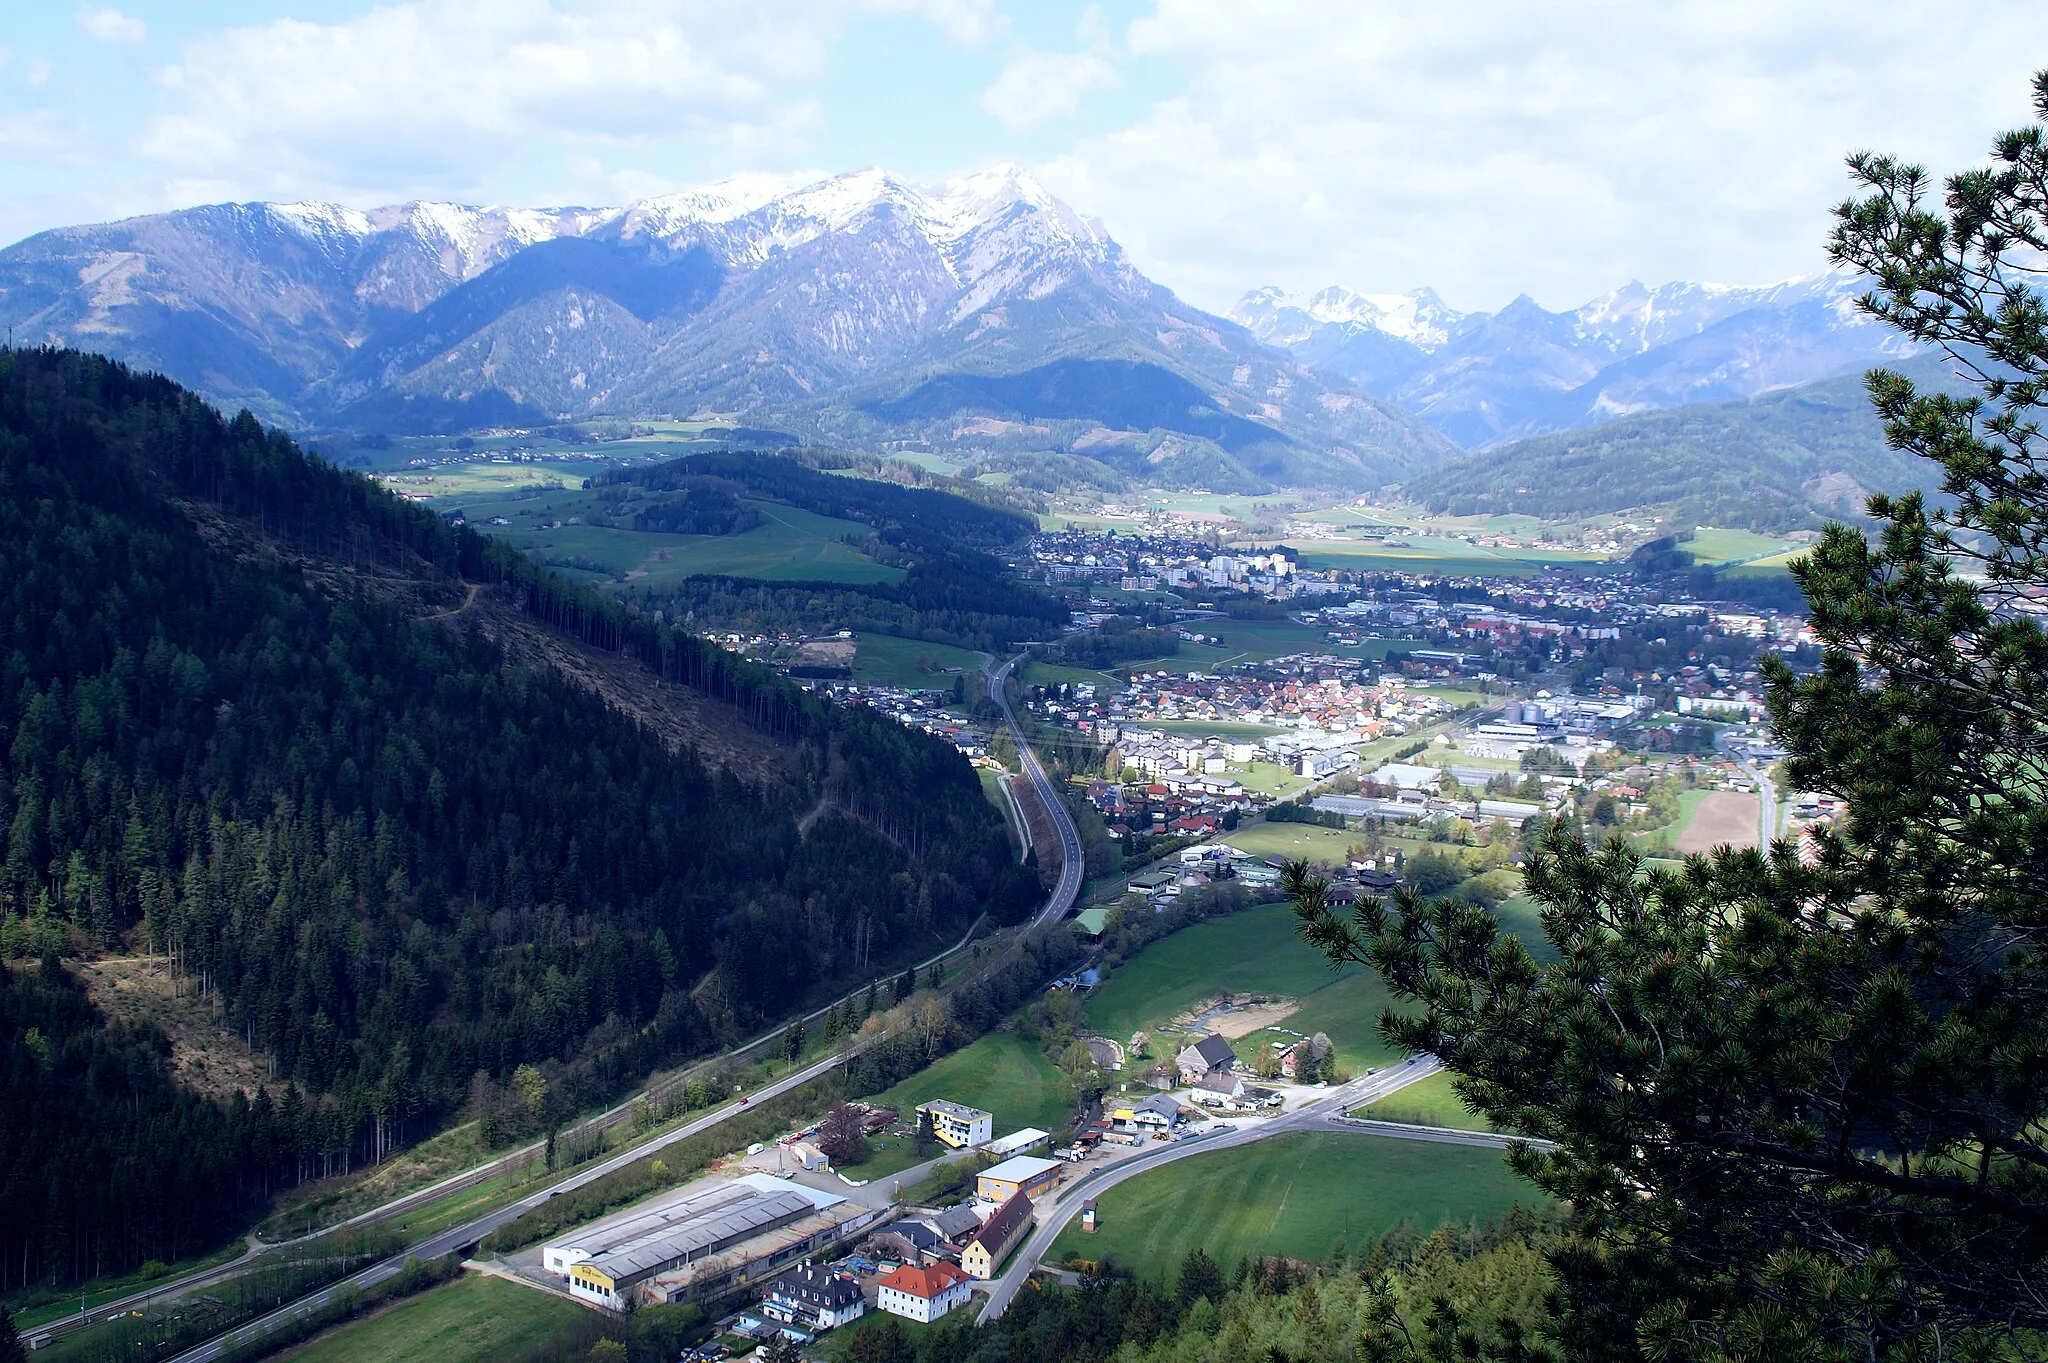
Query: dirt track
[1723, 817]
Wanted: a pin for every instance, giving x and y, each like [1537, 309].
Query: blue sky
[1484, 147]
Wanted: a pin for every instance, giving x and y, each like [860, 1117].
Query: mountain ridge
[1488, 378]
[776, 306]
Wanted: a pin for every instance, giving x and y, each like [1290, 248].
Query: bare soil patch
[1723, 817]
[205, 1057]
[1231, 1016]
[826, 653]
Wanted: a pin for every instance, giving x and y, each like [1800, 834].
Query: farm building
[985, 1252]
[1210, 1055]
[1018, 1174]
[1018, 1142]
[923, 1294]
[957, 1124]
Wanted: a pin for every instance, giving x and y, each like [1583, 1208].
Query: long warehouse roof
[717, 1227]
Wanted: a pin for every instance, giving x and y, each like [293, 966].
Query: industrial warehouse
[703, 1243]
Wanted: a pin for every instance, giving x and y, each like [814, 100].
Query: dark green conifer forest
[246, 726]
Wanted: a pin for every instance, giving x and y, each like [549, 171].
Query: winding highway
[1072, 863]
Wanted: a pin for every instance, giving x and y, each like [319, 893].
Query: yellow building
[992, 1243]
[1025, 1174]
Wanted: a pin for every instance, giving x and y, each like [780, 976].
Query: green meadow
[471, 1320]
[1296, 1196]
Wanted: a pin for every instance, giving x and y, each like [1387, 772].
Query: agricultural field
[471, 1320]
[1293, 1195]
[1254, 952]
[1776, 565]
[1270, 778]
[1427, 1102]
[1712, 546]
[1002, 1073]
[788, 545]
[1253, 641]
[1424, 554]
[891, 661]
[1318, 844]
[1212, 728]
[1033, 672]
[1717, 817]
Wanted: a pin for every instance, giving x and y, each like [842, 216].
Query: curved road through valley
[1072, 863]
[1325, 1114]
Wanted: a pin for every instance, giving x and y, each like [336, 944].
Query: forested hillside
[1788, 460]
[250, 724]
[953, 591]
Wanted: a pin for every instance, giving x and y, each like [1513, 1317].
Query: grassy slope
[467, 1321]
[1428, 1102]
[892, 661]
[789, 544]
[1293, 1195]
[1256, 951]
[1002, 1073]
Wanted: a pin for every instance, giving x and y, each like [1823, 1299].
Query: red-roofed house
[923, 1294]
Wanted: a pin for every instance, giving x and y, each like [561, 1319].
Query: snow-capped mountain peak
[1419, 317]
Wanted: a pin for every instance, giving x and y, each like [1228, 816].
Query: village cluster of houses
[1307, 691]
[1151, 562]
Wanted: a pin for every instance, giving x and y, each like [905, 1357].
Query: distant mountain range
[980, 313]
[1782, 461]
[1486, 378]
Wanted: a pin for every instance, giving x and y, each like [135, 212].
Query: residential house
[813, 1297]
[1315, 1050]
[958, 1125]
[1154, 1114]
[923, 1294]
[992, 1244]
[1230, 1093]
[1210, 1055]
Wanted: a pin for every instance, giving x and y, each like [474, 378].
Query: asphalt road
[1071, 861]
[1313, 1117]
[1767, 806]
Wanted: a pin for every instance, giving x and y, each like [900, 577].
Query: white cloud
[37, 134]
[1036, 86]
[109, 25]
[434, 97]
[1492, 146]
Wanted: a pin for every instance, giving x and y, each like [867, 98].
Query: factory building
[703, 1244]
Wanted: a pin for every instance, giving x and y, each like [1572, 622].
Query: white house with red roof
[923, 1294]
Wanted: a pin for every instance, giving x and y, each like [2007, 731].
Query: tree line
[383, 852]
